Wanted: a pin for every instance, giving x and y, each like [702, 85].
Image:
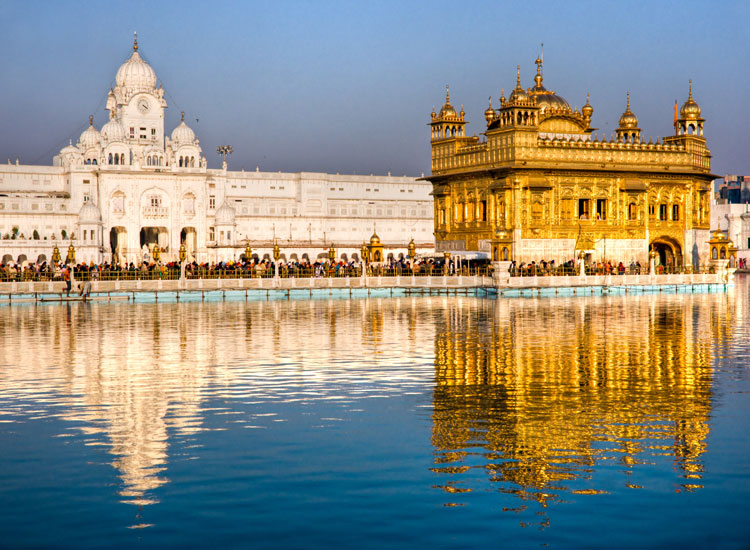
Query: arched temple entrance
[188, 237]
[668, 250]
[118, 242]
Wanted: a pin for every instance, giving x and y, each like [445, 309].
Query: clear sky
[348, 86]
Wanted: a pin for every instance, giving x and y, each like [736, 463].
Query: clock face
[143, 106]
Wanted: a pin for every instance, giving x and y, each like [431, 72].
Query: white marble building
[129, 185]
[734, 220]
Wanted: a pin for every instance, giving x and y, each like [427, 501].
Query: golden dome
[628, 119]
[489, 114]
[690, 109]
[546, 99]
[587, 110]
[374, 239]
[518, 93]
[447, 109]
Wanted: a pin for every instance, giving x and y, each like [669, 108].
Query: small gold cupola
[690, 121]
[447, 123]
[628, 131]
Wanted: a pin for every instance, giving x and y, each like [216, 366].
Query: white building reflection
[136, 377]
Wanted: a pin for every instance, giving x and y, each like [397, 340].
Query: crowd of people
[242, 268]
[256, 267]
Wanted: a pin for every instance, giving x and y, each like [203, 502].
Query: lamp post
[276, 256]
[582, 262]
[56, 255]
[72, 260]
[155, 253]
[364, 252]
[183, 256]
[412, 252]
[652, 261]
[447, 256]
[224, 150]
[248, 251]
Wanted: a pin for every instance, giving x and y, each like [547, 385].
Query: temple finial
[447, 94]
[135, 41]
[182, 116]
[91, 120]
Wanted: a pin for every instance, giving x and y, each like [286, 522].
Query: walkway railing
[173, 273]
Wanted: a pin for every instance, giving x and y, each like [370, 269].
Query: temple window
[675, 212]
[212, 202]
[663, 212]
[601, 209]
[632, 212]
[583, 209]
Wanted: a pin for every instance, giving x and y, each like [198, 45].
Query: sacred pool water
[450, 422]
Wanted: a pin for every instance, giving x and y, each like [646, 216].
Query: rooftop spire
[91, 120]
[447, 94]
[690, 95]
[135, 41]
[182, 116]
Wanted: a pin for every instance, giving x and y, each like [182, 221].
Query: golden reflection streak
[537, 394]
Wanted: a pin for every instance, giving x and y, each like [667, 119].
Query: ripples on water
[441, 420]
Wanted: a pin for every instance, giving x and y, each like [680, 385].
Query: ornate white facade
[123, 188]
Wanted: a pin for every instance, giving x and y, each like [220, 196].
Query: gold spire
[518, 76]
[91, 120]
[690, 83]
[538, 77]
[182, 116]
[627, 108]
[135, 41]
[447, 95]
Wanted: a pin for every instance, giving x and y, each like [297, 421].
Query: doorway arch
[668, 250]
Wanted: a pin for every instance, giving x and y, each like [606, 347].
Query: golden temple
[539, 184]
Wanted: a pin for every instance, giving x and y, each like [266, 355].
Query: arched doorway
[155, 235]
[189, 237]
[118, 238]
[668, 250]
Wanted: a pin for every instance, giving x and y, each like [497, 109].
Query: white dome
[89, 214]
[113, 131]
[225, 215]
[90, 136]
[136, 73]
[70, 149]
[183, 134]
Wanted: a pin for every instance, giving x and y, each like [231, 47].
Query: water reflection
[132, 378]
[542, 394]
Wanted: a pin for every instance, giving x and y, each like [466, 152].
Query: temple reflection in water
[134, 378]
[536, 394]
[541, 396]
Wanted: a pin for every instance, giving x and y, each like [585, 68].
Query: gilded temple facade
[539, 184]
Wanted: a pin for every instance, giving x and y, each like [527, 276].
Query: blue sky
[348, 86]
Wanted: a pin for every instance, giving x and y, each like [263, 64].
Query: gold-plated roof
[587, 110]
[628, 119]
[546, 99]
[518, 93]
[489, 113]
[690, 109]
[447, 110]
